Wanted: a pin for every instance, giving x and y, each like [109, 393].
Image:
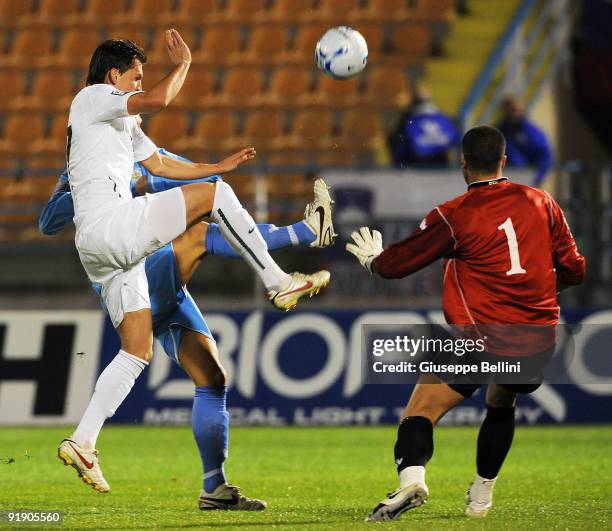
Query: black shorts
[526, 382]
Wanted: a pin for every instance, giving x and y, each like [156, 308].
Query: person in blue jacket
[178, 323]
[424, 135]
[526, 144]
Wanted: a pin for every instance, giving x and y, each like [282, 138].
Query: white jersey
[104, 141]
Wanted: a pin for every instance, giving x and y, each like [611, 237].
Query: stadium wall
[302, 369]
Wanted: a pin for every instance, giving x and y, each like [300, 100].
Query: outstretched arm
[431, 241]
[165, 166]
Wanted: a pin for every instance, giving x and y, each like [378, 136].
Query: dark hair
[483, 149]
[114, 53]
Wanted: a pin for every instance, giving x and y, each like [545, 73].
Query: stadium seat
[386, 87]
[289, 87]
[243, 11]
[196, 91]
[435, 10]
[241, 87]
[266, 44]
[12, 89]
[55, 142]
[98, 12]
[244, 187]
[335, 12]
[30, 49]
[385, 11]
[213, 132]
[149, 11]
[305, 42]
[166, 128]
[130, 32]
[410, 39]
[75, 48]
[21, 130]
[360, 129]
[11, 11]
[196, 13]
[288, 11]
[50, 13]
[263, 130]
[218, 44]
[374, 36]
[336, 93]
[52, 90]
[312, 130]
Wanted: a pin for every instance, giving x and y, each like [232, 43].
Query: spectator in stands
[526, 144]
[424, 135]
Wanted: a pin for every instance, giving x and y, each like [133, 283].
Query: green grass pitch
[312, 478]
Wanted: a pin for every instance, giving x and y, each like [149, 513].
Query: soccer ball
[342, 52]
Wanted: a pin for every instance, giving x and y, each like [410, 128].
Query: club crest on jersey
[118, 93]
[136, 174]
[423, 224]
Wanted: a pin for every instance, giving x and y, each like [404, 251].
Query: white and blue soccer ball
[342, 52]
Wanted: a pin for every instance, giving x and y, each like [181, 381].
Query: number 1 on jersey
[515, 257]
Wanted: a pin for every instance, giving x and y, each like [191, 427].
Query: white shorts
[113, 247]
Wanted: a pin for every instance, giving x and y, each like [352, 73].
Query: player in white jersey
[115, 232]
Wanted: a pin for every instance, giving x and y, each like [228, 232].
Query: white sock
[241, 232]
[412, 474]
[482, 489]
[112, 387]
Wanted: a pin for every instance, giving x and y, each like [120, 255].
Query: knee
[218, 376]
[499, 397]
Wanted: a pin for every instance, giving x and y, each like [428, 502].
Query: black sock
[414, 446]
[494, 440]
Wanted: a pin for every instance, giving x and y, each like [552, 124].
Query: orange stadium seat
[21, 130]
[50, 13]
[197, 90]
[75, 48]
[213, 131]
[336, 12]
[12, 88]
[100, 10]
[336, 93]
[374, 36]
[31, 48]
[130, 32]
[435, 10]
[267, 42]
[217, 45]
[385, 11]
[305, 42]
[387, 87]
[11, 11]
[241, 87]
[244, 11]
[411, 39]
[192, 12]
[149, 11]
[55, 142]
[167, 127]
[289, 87]
[292, 10]
[263, 130]
[243, 186]
[312, 130]
[360, 129]
[52, 90]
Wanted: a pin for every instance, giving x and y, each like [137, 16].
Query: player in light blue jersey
[179, 325]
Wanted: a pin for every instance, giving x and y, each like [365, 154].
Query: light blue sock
[275, 237]
[160, 184]
[210, 423]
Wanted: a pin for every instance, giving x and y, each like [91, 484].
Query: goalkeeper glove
[367, 246]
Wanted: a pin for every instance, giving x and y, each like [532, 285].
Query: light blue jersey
[173, 308]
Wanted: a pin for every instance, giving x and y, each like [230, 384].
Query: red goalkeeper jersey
[505, 246]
